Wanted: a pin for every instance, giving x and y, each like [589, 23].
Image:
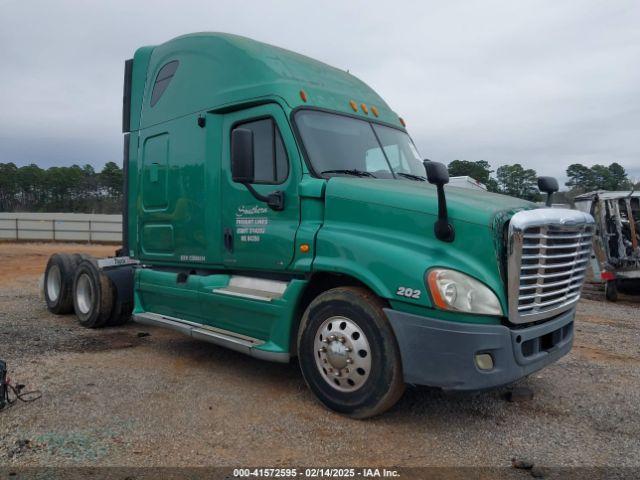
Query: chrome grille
[548, 255]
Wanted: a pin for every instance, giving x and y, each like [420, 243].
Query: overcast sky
[542, 83]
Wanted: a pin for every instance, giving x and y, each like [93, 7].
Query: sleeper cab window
[163, 79]
[270, 156]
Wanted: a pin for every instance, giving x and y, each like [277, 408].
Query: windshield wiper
[357, 173]
[411, 176]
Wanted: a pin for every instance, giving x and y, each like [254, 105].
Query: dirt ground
[142, 396]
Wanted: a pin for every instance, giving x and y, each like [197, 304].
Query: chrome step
[253, 288]
[217, 336]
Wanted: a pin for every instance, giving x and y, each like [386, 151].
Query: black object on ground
[518, 394]
[6, 387]
[521, 464]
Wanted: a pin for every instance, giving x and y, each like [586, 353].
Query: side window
[163, 78]
[271, 163]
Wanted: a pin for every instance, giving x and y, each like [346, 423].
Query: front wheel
[348, 353]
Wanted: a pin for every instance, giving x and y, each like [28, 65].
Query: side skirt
[217, 336]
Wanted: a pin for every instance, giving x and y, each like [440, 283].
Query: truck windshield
[337, 144]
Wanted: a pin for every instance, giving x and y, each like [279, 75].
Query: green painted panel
[263, 238]
[311, 192]
[134, 195]
[155, 165]
[270, 321]
[381, 232]
[160, 292]
[189, 174]
[196, 301]
[157, 239]
[138, 81]
[217, 70]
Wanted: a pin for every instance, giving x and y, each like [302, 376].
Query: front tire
[348, 353]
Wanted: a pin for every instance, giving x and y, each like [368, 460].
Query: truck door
[254, 235]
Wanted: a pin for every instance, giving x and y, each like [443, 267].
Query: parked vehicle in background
[466, 181]
[277, 206]
[616, 246]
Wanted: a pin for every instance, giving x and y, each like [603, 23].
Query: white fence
[80, 227]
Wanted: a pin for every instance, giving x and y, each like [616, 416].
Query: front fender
[387, 249]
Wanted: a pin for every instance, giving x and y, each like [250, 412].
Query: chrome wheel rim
[342, 354]
[54, 280]
[84, 293]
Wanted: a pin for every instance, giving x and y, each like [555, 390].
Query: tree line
[61, 189]
[82, 189]
[517, 181]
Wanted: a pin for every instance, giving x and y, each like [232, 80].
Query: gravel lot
[119, 397]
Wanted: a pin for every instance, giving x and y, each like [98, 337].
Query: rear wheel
[121, 313]
[58, 283]
[611, 291]
[348, 353]
[92, 295]
[78, 257]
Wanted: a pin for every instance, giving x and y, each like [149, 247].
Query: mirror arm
[549, 195]
[274, 200]
[438, 175]
[442, 228]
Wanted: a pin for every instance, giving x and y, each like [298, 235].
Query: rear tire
[356, 371]
[92, 295]
[611, 291]
[121, 313]
[78, 257]
[58, 283]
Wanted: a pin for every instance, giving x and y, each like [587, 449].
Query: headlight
[456, 291]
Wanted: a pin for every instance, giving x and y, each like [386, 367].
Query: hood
[463, 204]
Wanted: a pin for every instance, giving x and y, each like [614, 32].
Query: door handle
[228, 240]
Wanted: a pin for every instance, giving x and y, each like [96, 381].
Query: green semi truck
[277, 206]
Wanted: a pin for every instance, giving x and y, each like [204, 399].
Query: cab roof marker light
[402, 122]
[303, 95]
[374, 110]
[364, 108]
[354, 105]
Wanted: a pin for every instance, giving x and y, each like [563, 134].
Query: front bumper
[442, 354]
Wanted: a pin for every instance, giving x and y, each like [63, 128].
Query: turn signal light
[432, 280]
[304, 248]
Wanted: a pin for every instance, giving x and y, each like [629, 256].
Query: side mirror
[242, 159]
[438, 175]
[243, 167]
[548, 185]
